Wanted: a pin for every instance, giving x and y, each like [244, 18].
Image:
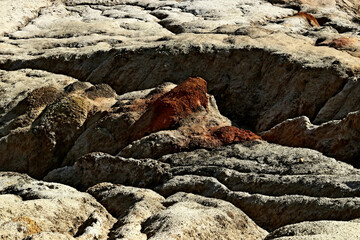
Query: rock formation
[162, 119]
[40, 210]
[55, 127]
[318, 230]
[338, 138]
[181, 215]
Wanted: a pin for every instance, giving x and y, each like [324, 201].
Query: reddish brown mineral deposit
[168, 109]
[309, 18]
[231, 134]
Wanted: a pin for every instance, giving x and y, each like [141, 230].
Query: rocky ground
[161, 119]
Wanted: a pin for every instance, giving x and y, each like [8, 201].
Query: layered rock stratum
[162, 119]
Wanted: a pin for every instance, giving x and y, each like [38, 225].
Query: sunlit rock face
[53, 127]
[162, 119]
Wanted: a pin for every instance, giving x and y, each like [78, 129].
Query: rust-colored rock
[168, 109]
[212, 137]
[179, 119]
[231, 134]
[309, 18]
[180, 102]
[54, 127]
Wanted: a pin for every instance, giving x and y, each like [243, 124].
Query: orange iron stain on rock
[309, 18]
[231, 134]
[186, 98]
[168, 109]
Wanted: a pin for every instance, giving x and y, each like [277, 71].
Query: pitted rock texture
[144, 214]
[37, 132]
[338, 138]
[131, 206]
[54, 126]
[81, 85]
[263, 180]
[95, 168]
[33, 209]
[138, 45]
[317, 230]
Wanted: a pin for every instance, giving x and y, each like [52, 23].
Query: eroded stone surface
[167, 119]
[267, 181]
[131, 206]
[37, 132]
[167, 110]
[293, 63]
[264, 180]
[317, 230]
[16, 15]
[55, 125]
[39, 210]
[191, 216]
[95, 168]
[114, 38]
[15, 85]
[144, 214]
[339, 138]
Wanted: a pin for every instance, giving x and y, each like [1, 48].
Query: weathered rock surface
[114, 38]
[95, 168]
[56, 125]
[317, 230]
[338, 138]
[85, 98]
[267, 181]
[31, 209]
[144, 214]
[16, 85]
[131, 206]
[296, 48]
[37, 132]
[187, 215]
[189, 115]
[264, 180]
[16, 15]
